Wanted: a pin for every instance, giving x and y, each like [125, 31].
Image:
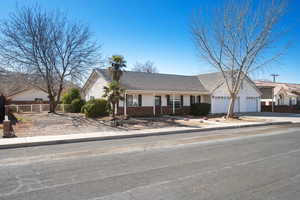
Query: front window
[132, 100]
[192, 100]
[176, 99]
[129, 100]
[38, 99]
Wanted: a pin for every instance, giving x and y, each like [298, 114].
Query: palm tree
[114, 93]
[118, 64]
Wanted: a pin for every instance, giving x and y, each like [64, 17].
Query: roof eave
[168, 91]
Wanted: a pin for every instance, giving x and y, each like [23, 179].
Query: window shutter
[199, 99]
[192, 100]
[168, 99]
[181, 100]
[140, 100]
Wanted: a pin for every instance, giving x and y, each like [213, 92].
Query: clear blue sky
[157, 30]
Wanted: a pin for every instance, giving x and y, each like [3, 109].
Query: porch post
[173, 104]
[153, 104]
[125, 105]
[273, 100]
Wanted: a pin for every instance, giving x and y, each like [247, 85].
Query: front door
[157, 105]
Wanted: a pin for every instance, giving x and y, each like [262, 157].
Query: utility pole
[274, 80]
[274, 77]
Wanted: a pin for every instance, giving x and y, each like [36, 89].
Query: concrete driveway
[270, 116]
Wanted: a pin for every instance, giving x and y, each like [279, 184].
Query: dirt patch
[162, 122]
[39, 124]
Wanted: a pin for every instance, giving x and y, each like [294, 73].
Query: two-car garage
[220, 104]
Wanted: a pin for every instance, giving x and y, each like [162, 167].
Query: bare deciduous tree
[145, 67]
[240, 39]
[48, 48]
[10, 82]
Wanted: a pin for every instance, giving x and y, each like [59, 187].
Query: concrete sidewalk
[273, 116]
[72, 138]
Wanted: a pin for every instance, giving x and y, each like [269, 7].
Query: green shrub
[71, 95]
[76, 105]
[200, 109]
[95, 108]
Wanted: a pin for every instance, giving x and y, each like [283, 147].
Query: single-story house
[30, 95]
[283, 93]
[16, 88]
[150, 94]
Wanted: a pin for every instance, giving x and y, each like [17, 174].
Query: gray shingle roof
[157, 82]
[211, 80]
[169, 82]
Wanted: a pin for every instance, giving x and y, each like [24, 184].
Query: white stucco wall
[95, 88]
[30, 95]
[248, 99]
[148, 99]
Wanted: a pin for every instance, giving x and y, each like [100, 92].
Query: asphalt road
[174, 167]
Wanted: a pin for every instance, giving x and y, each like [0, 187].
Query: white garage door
[221, 105]
[251, 104]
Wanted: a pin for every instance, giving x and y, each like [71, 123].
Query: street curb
[102, 138]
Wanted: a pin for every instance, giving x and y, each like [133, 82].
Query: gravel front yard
[39, 124]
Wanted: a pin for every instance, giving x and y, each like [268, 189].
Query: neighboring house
[149, 94]
[283, 93]
[28, 96]
[16, 88]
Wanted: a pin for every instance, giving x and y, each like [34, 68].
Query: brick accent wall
[137, 111]
[166, 110]
[148, 111]
[183, 110]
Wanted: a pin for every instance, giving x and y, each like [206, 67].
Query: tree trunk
[113, 110]
[2, 108]
[53, 105]
[230, 113]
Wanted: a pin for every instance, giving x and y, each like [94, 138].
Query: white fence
[36, 107]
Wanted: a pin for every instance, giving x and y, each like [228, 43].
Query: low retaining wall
[26, 102]
[281, 109]
[35, 107]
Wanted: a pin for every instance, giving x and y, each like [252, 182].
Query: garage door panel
[221, 105]
[251, 104]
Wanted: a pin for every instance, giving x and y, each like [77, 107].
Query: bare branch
[47, 46]
[236, 41]
[145, 67]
